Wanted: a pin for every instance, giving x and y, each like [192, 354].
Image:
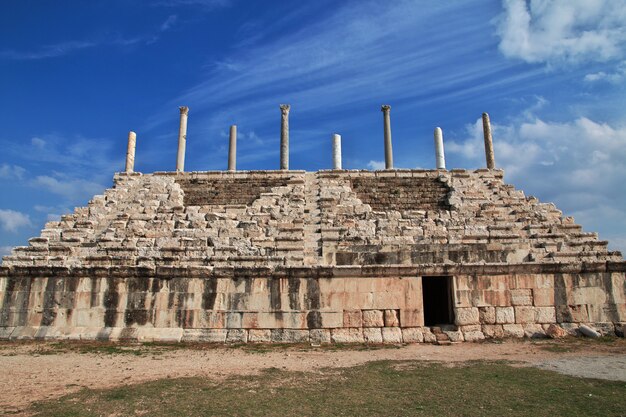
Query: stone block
[237, 336]
[524, 315]
[167, 334]
[534, 331]
[454, 335]
[373, 318]
[5, 332]
[493, 331]
[205, 335]
[505, 315]
[522, 297]
[259, 335]
[330, 319]
[543, 297]
[513, 330]
[571, 328]
[391, 318]
[465, 316]
[352, 318]
[412, 335]
[392, 335]
[572, 314]
[346, 335]
[429, 337]
[555, 331]
[545, 315]
[411, 318]
[372, 335]
[319, 336]
[487, 315]
[290, 336]
[474, 336]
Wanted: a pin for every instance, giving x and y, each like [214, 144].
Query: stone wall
[317, 257]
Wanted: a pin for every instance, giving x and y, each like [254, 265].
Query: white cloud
[73, 189]
[563, 32]
[169, 22]
[578, 164]
[615, 77]
[11, 220]
[11, 171]
[4, 251]
[376, 165]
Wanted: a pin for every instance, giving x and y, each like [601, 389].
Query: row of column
[284, 143]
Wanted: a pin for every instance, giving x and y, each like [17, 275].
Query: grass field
[386, 388]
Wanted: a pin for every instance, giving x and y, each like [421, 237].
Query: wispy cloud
[11, 220]
[563, 32]
[48, 51]
[376, 165]
[8, 171]
[614, 77]
[169, 22]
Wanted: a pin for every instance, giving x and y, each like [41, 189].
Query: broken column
[232, 149]
[491, 163]
[440, 158]
[387, 128]
[336, 151]
[130, 152]
[182, 139]
[284, 136]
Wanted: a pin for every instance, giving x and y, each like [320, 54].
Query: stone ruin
[338, 256]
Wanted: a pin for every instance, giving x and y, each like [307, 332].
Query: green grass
[388, 388]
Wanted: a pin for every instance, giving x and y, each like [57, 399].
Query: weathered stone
[352, 318]
[525, 315]
[513, 330]
[545, 314]
[346, 335]
[237, 336]
[534, 331]
[290, 336]
[319, 336]
[554, 331]
[473, 336]
[372, 335]
[373, 318]
[260, 335]
[487, 315]
[505, 315]
[465, 316]
[588, 331]
[391, 318]
[392, 335]
[412, 335]
[493, 331]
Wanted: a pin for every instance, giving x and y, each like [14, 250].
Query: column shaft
[387, 132]
[232, 149]
[284, 136]
[182, 139]
[336, 151]
[491, 162]
[130, 152]
[440, 158]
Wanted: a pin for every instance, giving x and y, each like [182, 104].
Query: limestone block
[572, 314]
[412, 335]
[545, 314]
[259, 335]
[524, 315]
[571, 328]
[372, 335]
[373, 318]
[555, 331]
[487, 315]
[392, 335]
[237, 336]
[205, 335]
[505, 315]
[168, 334]
[454, 335]
[5, 332]
[465, 316]
[319, 336]
[543, 297]
[391, 318]
[534, 331]
[352, 318]
[346, 335]
[493, 331]
[521, 297]
[429, 337]
[290, 336]
[513, 330]
[473, 336]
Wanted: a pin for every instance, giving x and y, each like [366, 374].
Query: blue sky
[76, 76]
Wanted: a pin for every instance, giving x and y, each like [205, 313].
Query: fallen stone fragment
[588, 331]
[555, 332]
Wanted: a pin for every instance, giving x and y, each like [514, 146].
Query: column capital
[385, 108]
[284, 108]
[184, 110]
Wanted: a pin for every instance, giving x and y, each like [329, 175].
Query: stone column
[284, 136]
[232, 149]
[387, 129]
[336, 151]
[130, 152]
[440, 157]
[491, 162]
[182, 139]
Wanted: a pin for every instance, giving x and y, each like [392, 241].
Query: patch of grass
[388, 388]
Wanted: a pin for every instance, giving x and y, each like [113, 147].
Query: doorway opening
[437, 298]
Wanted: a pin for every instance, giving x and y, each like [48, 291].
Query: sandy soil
[37, 371]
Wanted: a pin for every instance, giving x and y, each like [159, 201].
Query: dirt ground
[37, 371]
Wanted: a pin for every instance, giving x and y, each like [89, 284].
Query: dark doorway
[437, 295]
